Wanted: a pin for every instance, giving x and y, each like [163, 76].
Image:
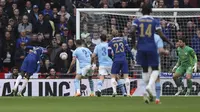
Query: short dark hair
[183, 39]
[146, 9]
[103, 37]
[78, 42]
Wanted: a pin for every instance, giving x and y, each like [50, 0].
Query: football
[63, 55]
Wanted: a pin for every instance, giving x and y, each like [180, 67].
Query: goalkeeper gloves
[174, 69]
[195, 67]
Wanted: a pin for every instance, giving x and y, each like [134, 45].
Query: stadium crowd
[52, 24]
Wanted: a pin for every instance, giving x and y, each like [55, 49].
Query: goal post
[176, 23]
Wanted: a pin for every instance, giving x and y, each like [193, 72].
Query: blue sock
[121, 86]
[158, 88]
[91, 85]
[99, 85]
[77, 85]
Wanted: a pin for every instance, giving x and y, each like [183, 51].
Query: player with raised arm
[147, 54]
[187, 63]
[83, 55]
[119, 48]
[29, 66]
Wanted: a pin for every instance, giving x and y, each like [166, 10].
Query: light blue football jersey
[159, 43]
[83, 55]
[101, 50]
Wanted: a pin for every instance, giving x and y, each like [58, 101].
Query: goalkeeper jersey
[186, 56]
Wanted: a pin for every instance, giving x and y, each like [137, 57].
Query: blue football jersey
[83, 55]
[119, 47]
[146, 28]
[101, 50]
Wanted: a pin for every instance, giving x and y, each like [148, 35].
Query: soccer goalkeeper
[187, 63]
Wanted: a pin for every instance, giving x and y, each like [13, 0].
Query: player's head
[182, 42]
[103, 38]
[78, 43]
[146, 10]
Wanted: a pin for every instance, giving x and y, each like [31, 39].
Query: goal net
[176, 23]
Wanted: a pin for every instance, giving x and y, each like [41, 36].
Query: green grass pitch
[95, 104]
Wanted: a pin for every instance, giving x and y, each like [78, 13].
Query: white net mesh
[175, 24]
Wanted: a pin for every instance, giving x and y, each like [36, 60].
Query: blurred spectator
[28, 8]
[52, 74]
[48, 10]
[14, 73]
[25, 26]
[54, 49]
[66, 35]
[8, 51]
[196, 42]
[56, 17]
[176, 4]
[62, 24]
[95, 38]
[34, 15]
[42, 26]
[41, 39]
[62, 65]
[47, 39]
[46, 65]
[63, 12]
[10, 29]
[3, 21]
[84, 18]
[59, 39]
[33, 40]
[48, 19]
[85, 33]
[102, 3]
[155, 3]
[11, 6]
[23, 38]
[121, 4]
[20, 54]
[17, 18]
[186, 4]
[161, 4]
[3, 5]
[190, 30]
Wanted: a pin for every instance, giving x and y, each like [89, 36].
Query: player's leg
[121, 85]
[153, 62]
[88, 71]
[158, 89]
[176, 77]
[77, 83]
[27, 77]
[18, 80]
[102, 72]
[189, 80]
[126, 76]
[114, 71]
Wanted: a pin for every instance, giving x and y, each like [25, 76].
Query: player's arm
[177, 65]
[163, 37]
[110, 51]
[160, 45]
[194, 56]
[127, 48]
[72, 64]
[133, 33]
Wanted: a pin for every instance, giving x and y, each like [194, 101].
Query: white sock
[114, 85]
[127, 83]
[145, 77]
[17, 82]
[78, 91]
[153, 77]
[24, 85]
